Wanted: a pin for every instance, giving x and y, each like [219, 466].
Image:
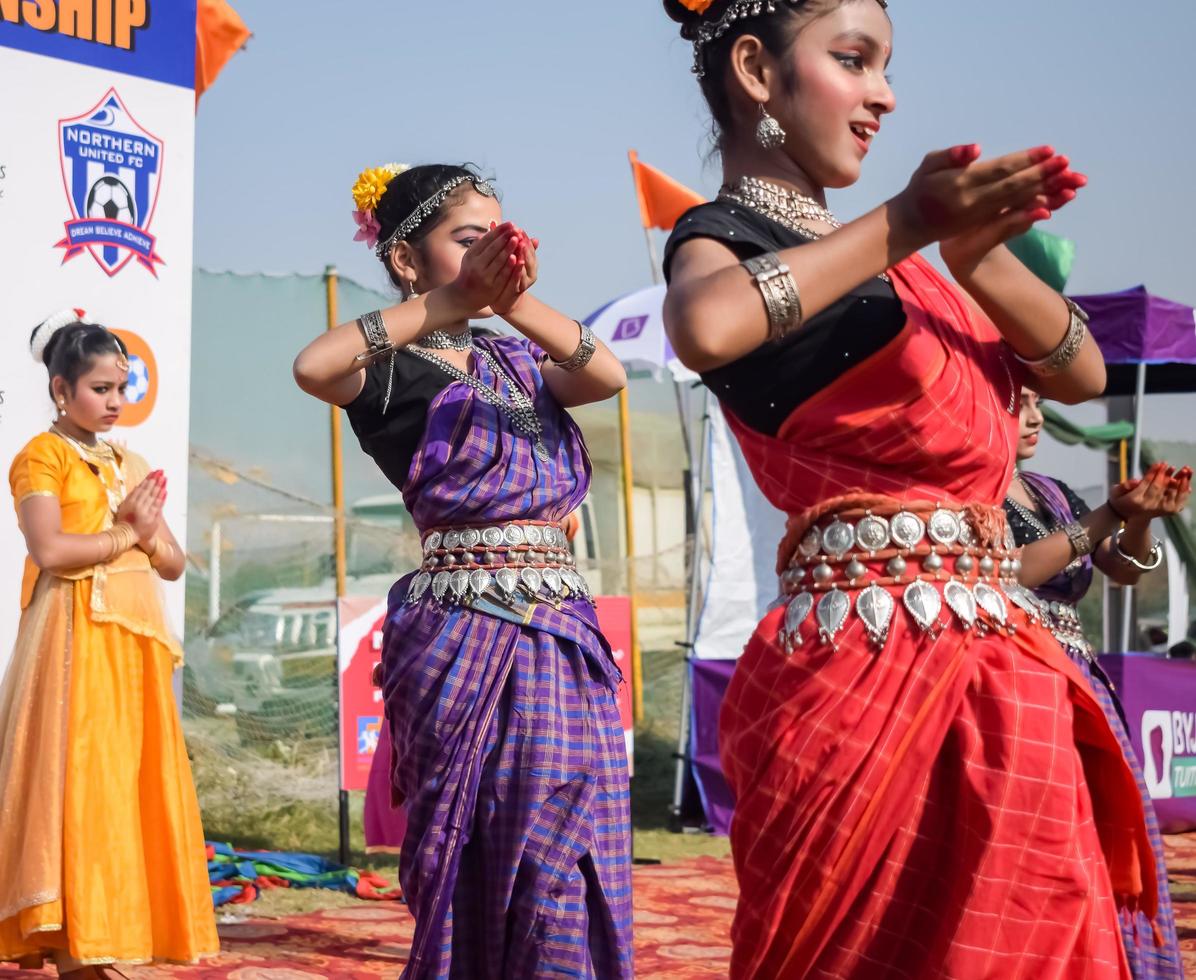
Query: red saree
[951, 804]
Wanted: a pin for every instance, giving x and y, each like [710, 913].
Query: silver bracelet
[782, 299]
[1081, 542]
[584, 353]
[1155, 558]
[374, 328]
[1069, 347]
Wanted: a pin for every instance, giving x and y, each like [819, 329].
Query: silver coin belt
[527, 558]
[1063, 620]
[933, 565]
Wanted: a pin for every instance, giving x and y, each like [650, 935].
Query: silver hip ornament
[769, 133]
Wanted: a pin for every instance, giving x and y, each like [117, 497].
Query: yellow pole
[637, 670]
[1125, 460]
[338, 473]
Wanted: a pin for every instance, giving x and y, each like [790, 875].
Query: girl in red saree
[925, 785]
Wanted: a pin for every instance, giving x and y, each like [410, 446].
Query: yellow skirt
[101, 846]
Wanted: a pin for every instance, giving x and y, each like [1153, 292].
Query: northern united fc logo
[112, 171]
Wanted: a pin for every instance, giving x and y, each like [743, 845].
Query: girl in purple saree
[1062, 542]
[500, 691]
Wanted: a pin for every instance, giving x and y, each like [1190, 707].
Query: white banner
[96, 189]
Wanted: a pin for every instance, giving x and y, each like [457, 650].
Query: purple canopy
[1134, 327]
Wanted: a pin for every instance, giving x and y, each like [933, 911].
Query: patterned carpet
[683, 918]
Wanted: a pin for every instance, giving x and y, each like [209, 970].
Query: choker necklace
[788, 207]
[443, 340]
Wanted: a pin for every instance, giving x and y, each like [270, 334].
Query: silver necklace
[1029, 516]
[518, 408]
[778, 202]
[788, 208]
[443, 340]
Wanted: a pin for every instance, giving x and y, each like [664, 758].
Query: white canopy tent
[732, 579]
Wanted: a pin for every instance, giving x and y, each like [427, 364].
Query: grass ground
[246, 818]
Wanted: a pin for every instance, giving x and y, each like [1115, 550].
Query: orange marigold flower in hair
[697, 6]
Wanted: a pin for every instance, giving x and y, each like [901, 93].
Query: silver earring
[61, 409]
[769, 133]
[412, 294]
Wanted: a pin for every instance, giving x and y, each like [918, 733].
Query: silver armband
[585, 351]
[781, 297]
[374, 328]
[1081, 542]
[1069, 347]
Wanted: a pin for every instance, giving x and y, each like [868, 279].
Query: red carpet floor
[683, 919]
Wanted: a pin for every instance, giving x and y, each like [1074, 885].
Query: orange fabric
[662, 199]
[949, 805]
[219, 34]
[102, 853]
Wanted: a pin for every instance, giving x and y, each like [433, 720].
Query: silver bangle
[374, 328]
[1081, 542]
[782, 299]
[584, 352]
[1069, 347]
[1155, 557]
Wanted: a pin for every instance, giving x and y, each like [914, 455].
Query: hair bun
[44, 332]
[690, 14]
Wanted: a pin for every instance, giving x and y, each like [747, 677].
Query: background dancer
[1062, 540]
[500, 690]
[94, 776]
[907, 749]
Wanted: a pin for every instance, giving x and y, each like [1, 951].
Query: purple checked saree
[508, 750]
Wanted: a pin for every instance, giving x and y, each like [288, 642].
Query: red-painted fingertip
[1042, 153]
[965, 153]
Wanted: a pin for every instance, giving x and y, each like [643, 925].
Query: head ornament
[741, 10]
[44, 332]
[429, 206]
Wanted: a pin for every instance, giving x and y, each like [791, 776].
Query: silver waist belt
[531, 558]
[933, 565]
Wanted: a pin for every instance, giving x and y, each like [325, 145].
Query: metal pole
[338, 512]
[214, 549]
[698, 482]
[637, 670]
[1127, 593]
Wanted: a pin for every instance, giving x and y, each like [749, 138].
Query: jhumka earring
[61, 408]
[769, 133]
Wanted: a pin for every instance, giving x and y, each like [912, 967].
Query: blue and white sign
[112, 171]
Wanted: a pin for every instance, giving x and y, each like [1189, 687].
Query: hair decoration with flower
[697, 6]
[44, 332]
[371, 184]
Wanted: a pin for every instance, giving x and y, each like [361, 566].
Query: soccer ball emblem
[110, 198]
[139, 380]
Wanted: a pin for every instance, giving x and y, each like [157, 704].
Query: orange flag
[662, 199]
[219, 34]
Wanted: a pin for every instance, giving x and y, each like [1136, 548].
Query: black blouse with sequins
[764, 387]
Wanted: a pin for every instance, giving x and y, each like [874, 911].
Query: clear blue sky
[548, 95]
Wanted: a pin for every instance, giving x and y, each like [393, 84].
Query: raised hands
[142, 508]
[973, 205]
[1163, 491]
[522, 275]
[487, 267]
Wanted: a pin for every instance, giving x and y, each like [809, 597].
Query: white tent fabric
[739, 573]
[737, 578]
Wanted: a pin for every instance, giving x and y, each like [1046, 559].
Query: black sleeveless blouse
[763, 388]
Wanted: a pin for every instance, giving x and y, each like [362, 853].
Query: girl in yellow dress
[101, 848]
